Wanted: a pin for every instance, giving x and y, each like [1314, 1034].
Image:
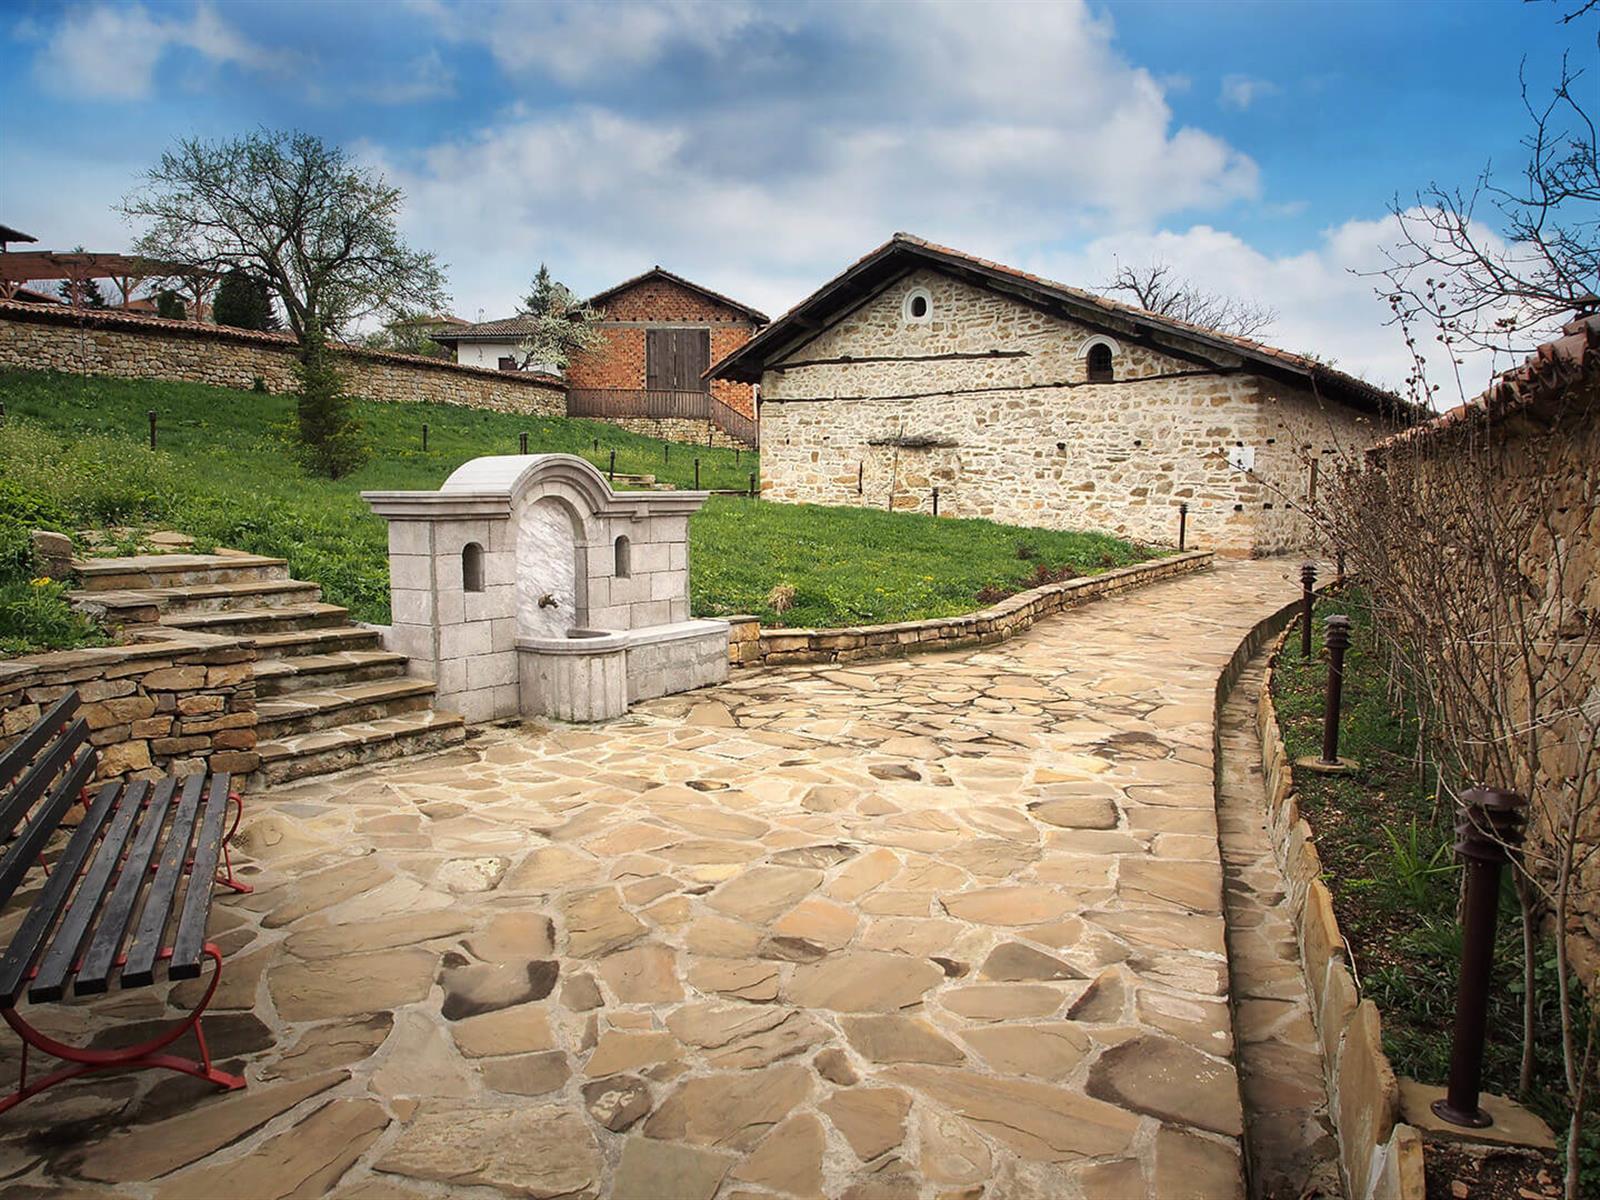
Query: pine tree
[329, 432]
[244, 301]
[89, 293]
[170, 305]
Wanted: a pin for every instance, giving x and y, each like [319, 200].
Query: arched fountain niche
[552, 587]
[526, 586]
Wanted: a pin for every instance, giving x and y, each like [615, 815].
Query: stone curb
[750, 645]
[1380, 1157]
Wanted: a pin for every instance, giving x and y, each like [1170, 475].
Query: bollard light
[1183, 524]
[424, 436]
[752, 486]
[611, 471]
[1308, 580]
[1488, 829]
[1338, 643]
[152, 415]
[697, 474]
[522, 443]
[936, 502]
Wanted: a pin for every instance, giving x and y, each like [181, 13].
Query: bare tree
[1156, 288]
[1500, 265]
[292, 210]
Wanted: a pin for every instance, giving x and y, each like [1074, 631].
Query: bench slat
[94, 973]
[31, 933]
[37, 779]
[24, 748]
[190, 939]
[73, 931]
[139, 969]
[24, 852]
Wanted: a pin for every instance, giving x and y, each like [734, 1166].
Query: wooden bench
[143, 860]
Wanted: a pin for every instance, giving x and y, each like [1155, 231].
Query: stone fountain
[526, 586]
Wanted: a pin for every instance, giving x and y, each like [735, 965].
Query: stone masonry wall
[1014, 432]
[750, 645]
[183, 704]
[620, 362]
[676, 429]
[49, 338]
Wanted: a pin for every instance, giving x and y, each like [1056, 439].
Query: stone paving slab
[941, 927]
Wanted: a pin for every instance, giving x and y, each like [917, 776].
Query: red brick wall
[619, 361]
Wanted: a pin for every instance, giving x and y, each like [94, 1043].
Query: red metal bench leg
[131, 1058]
[226, 877]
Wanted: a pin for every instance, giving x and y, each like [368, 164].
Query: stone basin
[594, 674]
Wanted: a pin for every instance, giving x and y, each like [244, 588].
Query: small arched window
[472, 567]
[917, 307]
[623, 567]
[1100, 369]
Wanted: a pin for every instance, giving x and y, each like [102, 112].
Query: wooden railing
[661, 404]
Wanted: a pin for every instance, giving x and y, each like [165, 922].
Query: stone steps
[175, 570]
[281, 676]
[240, 622]
[306, 711]
[297, 643]
[328, 696]
[348, 746]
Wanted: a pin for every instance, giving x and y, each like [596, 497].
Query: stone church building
[1032, 403]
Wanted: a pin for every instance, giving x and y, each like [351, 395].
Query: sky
[760, 148]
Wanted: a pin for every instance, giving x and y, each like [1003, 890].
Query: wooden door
[674, 359]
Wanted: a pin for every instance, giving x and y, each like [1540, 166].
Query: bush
[35, 615]
[328, 431]
[170, 305]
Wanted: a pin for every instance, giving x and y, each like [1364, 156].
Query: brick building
[662, 333]
[1030, 402]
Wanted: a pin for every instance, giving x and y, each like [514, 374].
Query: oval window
[917, 307]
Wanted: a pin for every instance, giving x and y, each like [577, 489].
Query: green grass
[224, 472]
[1385, 842]
[866, 566]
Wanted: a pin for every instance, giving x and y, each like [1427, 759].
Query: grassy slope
[1385, 844]
[224, 473]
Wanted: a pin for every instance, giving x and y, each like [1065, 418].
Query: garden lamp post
[1338, 643]
[1488, 828]
[1183, 524]
[1308, 580]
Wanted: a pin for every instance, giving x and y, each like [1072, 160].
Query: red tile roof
[657, 272]
[1348, 386]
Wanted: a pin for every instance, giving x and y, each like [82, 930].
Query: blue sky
[759, 148]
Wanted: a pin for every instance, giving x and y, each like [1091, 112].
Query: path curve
[941, 927]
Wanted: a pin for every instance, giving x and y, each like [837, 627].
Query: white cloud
[1240, 91]
[425, 77]
[984, 133]
[112, 51]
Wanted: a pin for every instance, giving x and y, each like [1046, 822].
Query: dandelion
[42, 581]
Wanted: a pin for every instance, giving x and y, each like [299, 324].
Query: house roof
[8, 234]
[1543, 378]
[657, 272]
[507, 329]
[904, 252]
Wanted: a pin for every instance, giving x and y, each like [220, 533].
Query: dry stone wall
[50, 338]
[750, 645]
[181, 704]
[990, 401]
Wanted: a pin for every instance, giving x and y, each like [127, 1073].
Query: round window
[918, 306]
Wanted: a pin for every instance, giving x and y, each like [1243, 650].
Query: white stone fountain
[526, 586]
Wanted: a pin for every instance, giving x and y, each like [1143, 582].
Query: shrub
[329, 433]
[170, 305]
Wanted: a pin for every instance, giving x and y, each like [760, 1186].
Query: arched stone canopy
[1100, 339]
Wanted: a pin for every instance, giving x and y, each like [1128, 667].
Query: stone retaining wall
[751, 645]
[45, 337]
[1380, 1157]
[677, 429]
[181, 704]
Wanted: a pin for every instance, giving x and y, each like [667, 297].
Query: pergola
[127, 271]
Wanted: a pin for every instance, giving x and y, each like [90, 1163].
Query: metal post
[752, 487]
[861, 471]
[666, 451]
[522, 443]
[1488, 828]
[697, 474]
[1308, 579]
[611, 471]
[152, 416]
[1183, 524]
[936, 502]
[424, 435]
[1338, 643]
[597, 445]
[736, 456]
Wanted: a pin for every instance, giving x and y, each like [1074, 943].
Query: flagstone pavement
[940, 927]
